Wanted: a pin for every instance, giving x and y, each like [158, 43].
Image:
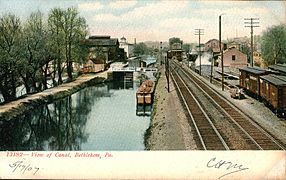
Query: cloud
[122, 4]
[90, 6]
[155, 10]
[107, 17]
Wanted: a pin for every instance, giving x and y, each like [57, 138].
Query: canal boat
[145, 93]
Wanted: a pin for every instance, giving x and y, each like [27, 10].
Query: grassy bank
[148, 132]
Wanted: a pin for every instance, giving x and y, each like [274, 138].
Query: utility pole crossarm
[252, 23]
[199, 32]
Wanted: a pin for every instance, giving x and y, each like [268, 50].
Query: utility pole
[200, 32]
[221, 55]
[167, 72]
[161, 59]
[251, 22]
[212, 65]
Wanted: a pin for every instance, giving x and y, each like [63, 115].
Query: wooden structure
[145, 93]
[279, 68]
[103, 50]
[273, 91]
[250, 77]
[175, 52]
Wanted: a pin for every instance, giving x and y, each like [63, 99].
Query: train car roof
[278, 67]
[254, 70]
[275, 79]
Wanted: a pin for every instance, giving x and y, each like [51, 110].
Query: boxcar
[273, 91]
[278, 68]
[249, 79]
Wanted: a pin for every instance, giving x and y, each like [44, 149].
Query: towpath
[14, 108]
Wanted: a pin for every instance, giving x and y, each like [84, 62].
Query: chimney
[134, 40]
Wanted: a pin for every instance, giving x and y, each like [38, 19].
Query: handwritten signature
[230, 166]
[23, 167]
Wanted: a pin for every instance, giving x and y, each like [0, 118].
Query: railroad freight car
[273, 92]
[249, 79]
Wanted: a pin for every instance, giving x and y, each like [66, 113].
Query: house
[102, 51]
[128, 48]
[213, 45]
[234, 58]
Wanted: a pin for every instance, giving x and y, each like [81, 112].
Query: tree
[273, 45]
[10, 32]
[74, 29]
[56, 42]
[174, 40]
[186, 47]
[246, 50]
[66, 30]
[141, 49]
[34, 53]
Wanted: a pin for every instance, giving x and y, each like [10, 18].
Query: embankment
[17, 107]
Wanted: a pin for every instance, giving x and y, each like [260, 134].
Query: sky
[160, 20]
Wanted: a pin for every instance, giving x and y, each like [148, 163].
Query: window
[233, 57]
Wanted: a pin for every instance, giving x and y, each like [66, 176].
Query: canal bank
[17, 107]
[169, 128]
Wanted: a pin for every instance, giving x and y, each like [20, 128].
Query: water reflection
[95, 118]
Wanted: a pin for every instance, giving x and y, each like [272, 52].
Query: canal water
[100, 117]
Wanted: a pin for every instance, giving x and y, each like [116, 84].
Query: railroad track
[253, 134]
[209, 137]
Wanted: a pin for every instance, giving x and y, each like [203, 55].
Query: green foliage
[141, 49]
[38, 49]
[174, 40]
[66, 30]
[10, 32]
[186, 47]
[34, 51]
[273, 45]
[246, 50]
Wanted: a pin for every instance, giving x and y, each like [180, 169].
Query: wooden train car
[273, 91]
[250, 77]
[278, 68]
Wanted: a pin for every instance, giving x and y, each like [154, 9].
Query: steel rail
[202, 110]
[238, 110]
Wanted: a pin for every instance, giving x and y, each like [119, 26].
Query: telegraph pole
[167, 72]
[251, 22]
[199, 32]
[221, 55]
[161, 58]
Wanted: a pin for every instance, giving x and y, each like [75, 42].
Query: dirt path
[14, 108]
[169, 128]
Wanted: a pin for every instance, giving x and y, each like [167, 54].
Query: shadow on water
[56, 126]
[74, 122]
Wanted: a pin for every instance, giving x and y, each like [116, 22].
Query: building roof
[212, 40]
[254, 70]
[101, 42]
[99, 37]
[275, 79]
[279, 67]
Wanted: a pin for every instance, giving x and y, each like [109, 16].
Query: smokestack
[134, 40]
